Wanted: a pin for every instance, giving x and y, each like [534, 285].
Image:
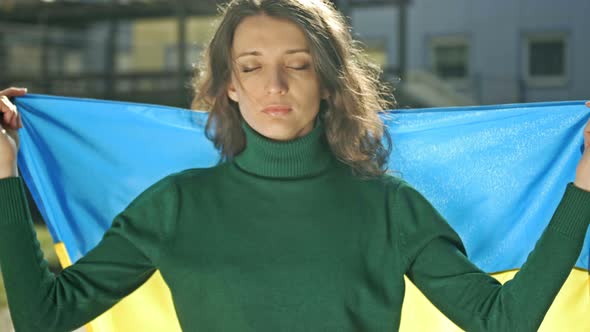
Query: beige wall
[153, 38]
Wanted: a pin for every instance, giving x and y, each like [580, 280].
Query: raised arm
[475, 301]
[437, 264]
[124, 259]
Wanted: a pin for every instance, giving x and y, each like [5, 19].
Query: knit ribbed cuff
[13, 202]
[573, 213]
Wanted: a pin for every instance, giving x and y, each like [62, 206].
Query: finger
[14, 121]
[19, 120]
[10, 116]
[13, 92]
[4, 110]
[9, 111]
[5, 104]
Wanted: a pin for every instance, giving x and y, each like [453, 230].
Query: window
[545, 59]
[450, 57]
[376, 50]
[171, 56]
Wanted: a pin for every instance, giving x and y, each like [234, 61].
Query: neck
[303, 156]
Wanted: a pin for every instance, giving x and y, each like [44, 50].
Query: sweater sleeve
[124, 259]
[437, 264]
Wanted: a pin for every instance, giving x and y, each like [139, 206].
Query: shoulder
[389, 188]
[390, 183]
[193, 175]
[401, 188]
[404, 196]
[171, 186]
[405, 201]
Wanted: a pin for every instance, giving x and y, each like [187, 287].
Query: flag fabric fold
[495, 172]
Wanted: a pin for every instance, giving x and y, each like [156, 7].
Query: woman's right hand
[10, 122]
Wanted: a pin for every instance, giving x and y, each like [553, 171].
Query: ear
[325, 94]
[231, 92]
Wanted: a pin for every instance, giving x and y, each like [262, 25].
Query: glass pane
[200, 30]
[547, 58]
[450, 61]
[66, 51]
[22, 50]
[149, 40]
[376, 50]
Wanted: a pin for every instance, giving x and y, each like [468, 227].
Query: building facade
[492, 52]
[455, 52]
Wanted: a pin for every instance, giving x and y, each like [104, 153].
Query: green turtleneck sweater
[283, 238]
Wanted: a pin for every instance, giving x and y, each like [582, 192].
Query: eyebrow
[256, 53]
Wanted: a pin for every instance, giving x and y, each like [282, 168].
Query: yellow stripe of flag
[150, 308]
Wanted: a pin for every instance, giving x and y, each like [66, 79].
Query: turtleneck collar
[301, 157]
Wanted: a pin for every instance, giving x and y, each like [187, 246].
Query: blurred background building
[435, 53]
[484, 52]
[125, 50]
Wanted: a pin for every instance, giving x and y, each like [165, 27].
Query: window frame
[545, 80]
[451, 40]
[368, 43]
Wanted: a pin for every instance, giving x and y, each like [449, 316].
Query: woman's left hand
[582, 180]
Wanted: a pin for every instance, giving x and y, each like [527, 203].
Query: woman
[299, 228]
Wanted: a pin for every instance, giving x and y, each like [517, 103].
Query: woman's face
[274, 81]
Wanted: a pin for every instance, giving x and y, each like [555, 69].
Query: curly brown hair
[354, 129]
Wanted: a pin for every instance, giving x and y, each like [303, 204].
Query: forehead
[267, 35]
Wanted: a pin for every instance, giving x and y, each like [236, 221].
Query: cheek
[250, 90]
[247, 101]
[312, 92]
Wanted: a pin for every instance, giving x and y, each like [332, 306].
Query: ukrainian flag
[495, 172]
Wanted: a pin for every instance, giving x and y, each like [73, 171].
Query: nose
[277, 82]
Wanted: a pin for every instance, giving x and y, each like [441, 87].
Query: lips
[277, 110]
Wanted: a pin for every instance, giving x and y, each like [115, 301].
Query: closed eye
[299, 67]
[247, 70]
